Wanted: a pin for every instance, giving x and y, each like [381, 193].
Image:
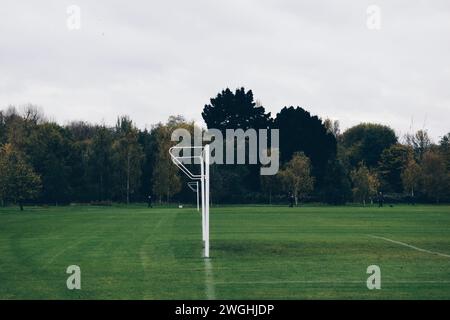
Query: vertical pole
[206, 155]
[198, 205]
[202, 170]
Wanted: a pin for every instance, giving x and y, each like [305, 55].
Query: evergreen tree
[301, 132]
[236, 110]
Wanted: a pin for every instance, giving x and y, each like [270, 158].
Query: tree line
[44, 162]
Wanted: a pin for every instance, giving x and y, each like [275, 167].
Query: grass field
[257, 252]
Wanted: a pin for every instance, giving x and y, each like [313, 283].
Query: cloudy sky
[153, 59]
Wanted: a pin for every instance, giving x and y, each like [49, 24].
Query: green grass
[257, 252]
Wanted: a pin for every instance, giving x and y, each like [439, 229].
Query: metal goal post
[202, 177]
[193, 185]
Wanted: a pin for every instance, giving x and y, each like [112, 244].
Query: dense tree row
[44, 162]
[353, 166]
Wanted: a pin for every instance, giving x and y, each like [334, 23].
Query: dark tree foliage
[2, 128]
[83, 162]
[392, 163]
[301, 132]
[238, 110]
[235, 110]
[100, 164]
[444, 147]
[336, 188]
[76, 165]
[49, 150]
[365, 143]
[146, 140]
[128, 159]
[229, 185]
[81, 131]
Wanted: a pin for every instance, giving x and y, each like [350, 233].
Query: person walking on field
[291, 200]
[380, 199]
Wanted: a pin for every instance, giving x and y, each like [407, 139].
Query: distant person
[291, 200]
[149, 201]
[380, 199]
[411, 200]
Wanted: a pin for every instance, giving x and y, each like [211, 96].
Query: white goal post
[193, 185]
[203, 177]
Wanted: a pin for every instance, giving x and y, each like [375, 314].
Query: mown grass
[257, 252]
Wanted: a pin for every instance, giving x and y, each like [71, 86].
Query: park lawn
[257, 252]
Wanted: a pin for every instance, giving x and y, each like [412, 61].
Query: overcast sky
[153, 59]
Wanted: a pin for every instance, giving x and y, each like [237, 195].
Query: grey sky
[153, 59]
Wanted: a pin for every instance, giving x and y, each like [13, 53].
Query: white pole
[202, 170]
[207, 201]
[204, 177]
[198, 204]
